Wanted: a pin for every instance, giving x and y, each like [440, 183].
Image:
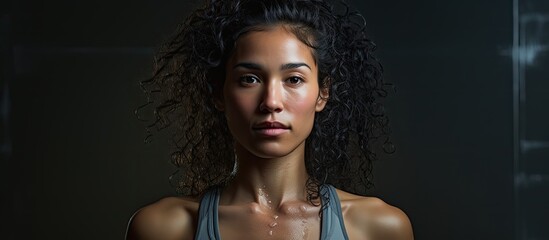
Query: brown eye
[294, 80]
[248, 80]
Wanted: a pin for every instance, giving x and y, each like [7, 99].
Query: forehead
[269, 45]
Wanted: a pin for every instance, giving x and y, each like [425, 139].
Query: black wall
[451, 115]
[78, 168]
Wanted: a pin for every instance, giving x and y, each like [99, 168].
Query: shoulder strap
[207, 216]
[332, 219]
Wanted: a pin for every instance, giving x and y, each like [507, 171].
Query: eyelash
[244, 80]
[295, 78]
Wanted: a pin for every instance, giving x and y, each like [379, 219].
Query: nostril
[272, 97]
[270, 107]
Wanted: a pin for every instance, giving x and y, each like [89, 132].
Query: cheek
[304, 102]
[239, 105]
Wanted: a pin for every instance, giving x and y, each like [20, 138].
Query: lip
[270, 129]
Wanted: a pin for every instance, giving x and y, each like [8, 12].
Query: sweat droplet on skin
[305, 227]
[270, 232]
[273, 224]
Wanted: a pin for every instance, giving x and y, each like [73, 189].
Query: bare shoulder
[169, 218]
[373, 219]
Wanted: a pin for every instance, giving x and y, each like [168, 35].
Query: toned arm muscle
[370, 218]
[391, 223]
[166, 219]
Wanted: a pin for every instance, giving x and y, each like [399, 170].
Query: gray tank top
[332, 220]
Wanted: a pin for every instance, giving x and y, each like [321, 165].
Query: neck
[271, 181]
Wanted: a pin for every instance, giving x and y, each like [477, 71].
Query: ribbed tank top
[332, 220]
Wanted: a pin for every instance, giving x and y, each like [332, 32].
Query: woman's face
[271, 93]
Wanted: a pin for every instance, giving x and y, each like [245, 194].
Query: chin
[269, 151]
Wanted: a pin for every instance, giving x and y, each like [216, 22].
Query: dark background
[471, 159]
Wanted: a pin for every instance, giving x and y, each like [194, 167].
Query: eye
[294, 80]
[248, 80]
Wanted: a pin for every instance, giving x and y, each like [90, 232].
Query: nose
[272, 101]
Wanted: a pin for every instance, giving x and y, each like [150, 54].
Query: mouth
[271, 129]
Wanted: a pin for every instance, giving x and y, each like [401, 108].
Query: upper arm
[143, 225]
[372, 219]
[160, 221]
[137, 227]
[392, 224]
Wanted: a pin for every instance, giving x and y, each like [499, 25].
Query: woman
[275, 102]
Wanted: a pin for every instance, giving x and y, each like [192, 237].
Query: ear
[323, 95]
[216, 88]
[219, 104]
[215, 80]
[219, 101]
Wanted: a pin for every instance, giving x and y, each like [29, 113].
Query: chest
[267, 225]
[291, 220]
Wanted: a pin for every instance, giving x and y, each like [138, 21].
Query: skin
[271, 76]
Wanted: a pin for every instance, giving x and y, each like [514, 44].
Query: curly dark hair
[189, 72]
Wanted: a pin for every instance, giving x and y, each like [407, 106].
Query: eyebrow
[285, 66]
